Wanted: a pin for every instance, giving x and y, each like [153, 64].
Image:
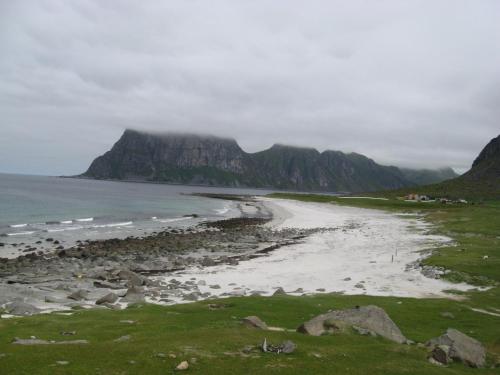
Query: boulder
[79, 295]
[108, 298]
[134, 295]
[20, 308]
[184, 365]
[371, 318]
[288, 347]
[463, 348]
[254, 322]
[133, 279]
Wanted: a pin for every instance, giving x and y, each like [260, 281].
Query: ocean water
[35, 208]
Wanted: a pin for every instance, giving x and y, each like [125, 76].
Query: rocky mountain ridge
[215, 161]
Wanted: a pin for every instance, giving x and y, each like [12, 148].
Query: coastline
[303, 248]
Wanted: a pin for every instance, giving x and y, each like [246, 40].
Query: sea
[48, 212]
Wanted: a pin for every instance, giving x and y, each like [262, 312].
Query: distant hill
[428, 176]
[482, 181]
[215, 161]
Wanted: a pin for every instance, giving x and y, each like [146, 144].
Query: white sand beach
[361, 251]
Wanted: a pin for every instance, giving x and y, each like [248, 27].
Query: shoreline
[265, 249]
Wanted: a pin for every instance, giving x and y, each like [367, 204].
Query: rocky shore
[113, 273]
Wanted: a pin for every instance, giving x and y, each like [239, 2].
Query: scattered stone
[123, 338]
[79, 295]
[128, 321]
[134, 295]
[69, 333]
[254, 322]
[35, 341]
[288, 347]
[463, 348]
[62, 363]
[447, 314]
[184, 365]
[20, 308]
[133, 278]
[216, 286]
[108, 298]
[321, 290]
[370, 317]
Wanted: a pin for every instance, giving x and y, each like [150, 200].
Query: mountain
[428, 176]
[215, 161]
[482, 181]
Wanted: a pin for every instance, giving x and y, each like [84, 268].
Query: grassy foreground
[212, 340]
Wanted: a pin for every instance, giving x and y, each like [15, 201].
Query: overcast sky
[407, 83]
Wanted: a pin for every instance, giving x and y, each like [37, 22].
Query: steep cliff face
[170, 157]
[208, 160]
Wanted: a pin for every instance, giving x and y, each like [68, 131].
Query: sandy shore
[305, 248]
[358, 251]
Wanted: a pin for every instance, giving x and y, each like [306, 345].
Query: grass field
[212, 340]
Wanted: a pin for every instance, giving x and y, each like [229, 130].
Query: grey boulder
[463, 348]
[134, 295]
[21, 308]
[371, 318]
[79, 295]
[254, 322]
[133, 279]
[108, 298]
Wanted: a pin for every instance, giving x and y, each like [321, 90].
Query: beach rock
[279, 292]
[50, 299]
[184, 365]
[254, 322]
[133, 278]
[134, 295]
[463, 348]
[370, 317]
[79, 295]
[21, 308]
[108, 298]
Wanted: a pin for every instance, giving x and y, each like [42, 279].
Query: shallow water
[34, 208]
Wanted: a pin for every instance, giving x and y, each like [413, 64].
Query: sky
[406, 83]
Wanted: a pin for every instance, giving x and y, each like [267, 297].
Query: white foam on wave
[153, 218]
[67, 222]
[86, 219]
[18, 225]
[20, 233]
[63, 229]
[113, 225]
[173, 220]
[222, 211]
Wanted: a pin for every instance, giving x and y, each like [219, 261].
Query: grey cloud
[409, 83]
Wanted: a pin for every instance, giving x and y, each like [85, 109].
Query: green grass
[215, 337]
